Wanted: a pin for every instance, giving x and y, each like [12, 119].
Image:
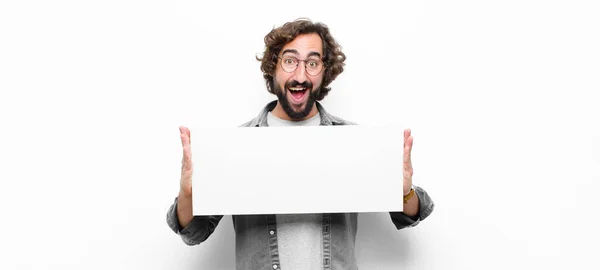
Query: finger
[187, 152]
[189, 135]
[406, 134]
[185, 132]
[408, 151]
[186, 144]
[181, 132]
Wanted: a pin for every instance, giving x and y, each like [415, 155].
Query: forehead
[304, 45]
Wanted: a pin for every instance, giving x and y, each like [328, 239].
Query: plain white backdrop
[501, 96]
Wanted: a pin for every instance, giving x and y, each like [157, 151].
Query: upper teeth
[296, 88]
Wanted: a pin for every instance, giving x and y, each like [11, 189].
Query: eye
[313, 63]
[289, 61]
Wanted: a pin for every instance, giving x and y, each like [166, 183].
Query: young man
[300, 60]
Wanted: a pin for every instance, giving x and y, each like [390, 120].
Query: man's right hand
[186, 162]
[184, 205]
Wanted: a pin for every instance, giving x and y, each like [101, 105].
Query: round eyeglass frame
[305, 65]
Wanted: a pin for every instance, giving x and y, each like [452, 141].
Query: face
[297, 90]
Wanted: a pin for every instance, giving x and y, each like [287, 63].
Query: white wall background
[502, 98]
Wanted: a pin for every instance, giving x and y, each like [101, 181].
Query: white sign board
[309, 169]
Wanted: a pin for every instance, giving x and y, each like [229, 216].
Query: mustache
[306, 84]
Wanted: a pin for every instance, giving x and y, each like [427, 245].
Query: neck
[280, 113]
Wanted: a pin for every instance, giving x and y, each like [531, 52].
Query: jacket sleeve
[197, 231]
[426, 206]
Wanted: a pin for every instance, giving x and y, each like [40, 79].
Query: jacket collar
[326, 119]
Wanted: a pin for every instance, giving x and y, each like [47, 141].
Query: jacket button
[271, 232]
[274, 266]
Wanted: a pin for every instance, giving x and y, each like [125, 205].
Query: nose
[300, 73]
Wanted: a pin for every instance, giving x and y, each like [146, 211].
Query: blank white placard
[316, 169]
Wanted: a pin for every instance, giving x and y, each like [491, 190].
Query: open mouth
[298, 94]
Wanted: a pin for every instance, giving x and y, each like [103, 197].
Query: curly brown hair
[333, 57]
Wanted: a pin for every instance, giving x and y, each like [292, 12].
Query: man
[301, 59]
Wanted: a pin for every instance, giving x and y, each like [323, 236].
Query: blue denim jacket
[256, 235]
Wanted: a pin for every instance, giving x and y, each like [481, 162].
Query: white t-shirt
[299, 236]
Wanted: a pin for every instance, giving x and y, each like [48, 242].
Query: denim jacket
[256, 235]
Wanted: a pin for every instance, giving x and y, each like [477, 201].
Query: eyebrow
[294, 51]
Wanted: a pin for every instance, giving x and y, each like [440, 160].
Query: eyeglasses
[313, 66]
